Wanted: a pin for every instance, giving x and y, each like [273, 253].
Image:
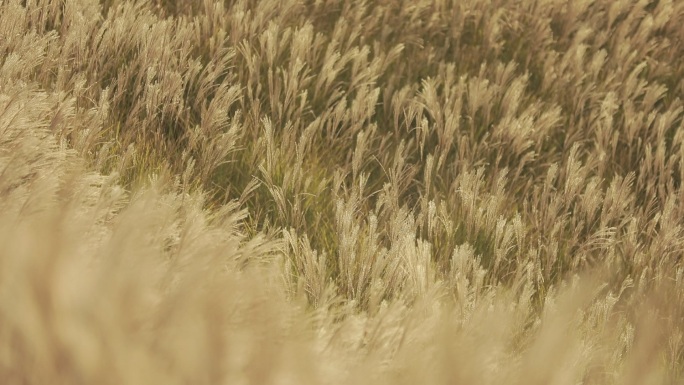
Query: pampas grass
[366, 192]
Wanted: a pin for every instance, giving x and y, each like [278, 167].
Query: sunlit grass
[340, 191]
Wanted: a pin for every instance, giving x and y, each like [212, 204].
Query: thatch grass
[338, 191]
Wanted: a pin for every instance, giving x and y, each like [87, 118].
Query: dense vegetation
[337, 191]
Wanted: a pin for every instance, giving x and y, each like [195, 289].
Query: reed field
[342, 192]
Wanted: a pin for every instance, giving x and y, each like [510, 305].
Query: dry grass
[330, 191]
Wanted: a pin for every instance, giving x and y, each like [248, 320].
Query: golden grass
[329, 191]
